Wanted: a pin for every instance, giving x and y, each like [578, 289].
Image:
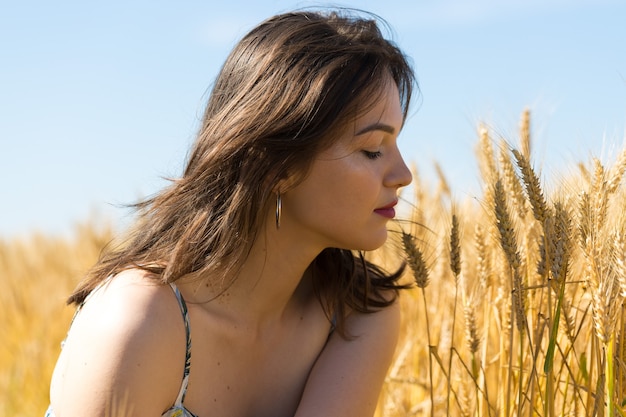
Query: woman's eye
[372, 155]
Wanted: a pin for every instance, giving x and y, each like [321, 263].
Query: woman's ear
[285, 182]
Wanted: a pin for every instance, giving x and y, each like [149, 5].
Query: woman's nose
[399, 174]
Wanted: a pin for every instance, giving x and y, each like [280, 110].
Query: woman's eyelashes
[372, 154]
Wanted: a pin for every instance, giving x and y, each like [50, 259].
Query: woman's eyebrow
[377, 126]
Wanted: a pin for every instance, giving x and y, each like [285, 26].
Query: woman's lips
[387, 211]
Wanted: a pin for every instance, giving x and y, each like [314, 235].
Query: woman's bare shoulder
[128, 303]
[128, 341]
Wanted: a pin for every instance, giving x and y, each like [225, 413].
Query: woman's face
[350, 191]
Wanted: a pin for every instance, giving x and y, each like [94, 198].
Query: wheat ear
[486, 161]
[415, 260]
[511, 181]
[533, 187]
[509, 245]
[455, 247]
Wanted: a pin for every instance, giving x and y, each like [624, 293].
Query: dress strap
[185, 313]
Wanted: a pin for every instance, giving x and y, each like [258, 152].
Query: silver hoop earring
[279, 209]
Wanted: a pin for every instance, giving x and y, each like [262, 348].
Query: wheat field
[517, 307]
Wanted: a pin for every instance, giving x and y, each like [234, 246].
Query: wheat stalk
[415, 260]
[509, 246]
[455, 266]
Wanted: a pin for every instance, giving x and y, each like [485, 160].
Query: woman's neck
[273, 281]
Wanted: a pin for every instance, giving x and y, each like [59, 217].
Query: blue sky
[99, 100]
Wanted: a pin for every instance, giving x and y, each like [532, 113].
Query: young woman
[241, 291]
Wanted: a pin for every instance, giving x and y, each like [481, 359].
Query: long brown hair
[285, 91]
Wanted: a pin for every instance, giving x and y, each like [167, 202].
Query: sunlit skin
[349, 194]
[261, 347]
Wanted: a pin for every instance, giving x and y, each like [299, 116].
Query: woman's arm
[348, 376]
[125, 352]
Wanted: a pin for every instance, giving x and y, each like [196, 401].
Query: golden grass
[539, 328]
[36, 276]
[518, 307]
